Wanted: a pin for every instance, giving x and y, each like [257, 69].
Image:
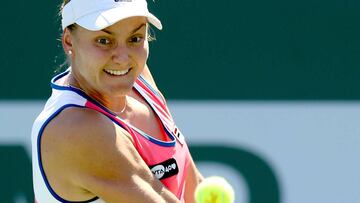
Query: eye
[136, 39]
[103, 41]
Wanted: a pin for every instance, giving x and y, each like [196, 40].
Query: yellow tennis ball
[214, 189]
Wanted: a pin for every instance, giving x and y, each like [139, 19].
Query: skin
[84, 153]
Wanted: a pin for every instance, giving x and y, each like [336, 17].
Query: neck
[124, 107]
[116, 104]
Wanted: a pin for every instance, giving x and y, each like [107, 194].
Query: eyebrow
[132, 32]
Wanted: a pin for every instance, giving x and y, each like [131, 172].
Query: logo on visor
[123, 0]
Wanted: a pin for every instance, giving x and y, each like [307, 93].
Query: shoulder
[80, 130]
[75, 123]
[79, 141]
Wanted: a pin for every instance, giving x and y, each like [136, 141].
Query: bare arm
[193, 178]
[90, 153]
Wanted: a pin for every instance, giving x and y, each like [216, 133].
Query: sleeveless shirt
[168, 160]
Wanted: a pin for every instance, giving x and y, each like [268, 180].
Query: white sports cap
[98, 14]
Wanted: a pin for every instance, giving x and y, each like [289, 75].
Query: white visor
[98, 14]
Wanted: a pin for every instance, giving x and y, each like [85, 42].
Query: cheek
[140, 57]
[139, 54]
[89, 63]
[143, 53]
[90, 57]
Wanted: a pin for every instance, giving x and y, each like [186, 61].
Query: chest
[141, 116]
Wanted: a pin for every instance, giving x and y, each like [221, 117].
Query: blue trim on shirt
[156, 141]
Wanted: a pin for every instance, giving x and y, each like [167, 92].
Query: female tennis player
[106, 134]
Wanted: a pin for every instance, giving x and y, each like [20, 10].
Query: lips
[117, 72]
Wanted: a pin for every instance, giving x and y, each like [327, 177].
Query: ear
[66, 41]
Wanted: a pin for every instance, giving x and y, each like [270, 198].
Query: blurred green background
[228, 50]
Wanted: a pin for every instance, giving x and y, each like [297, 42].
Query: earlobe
[66, 40]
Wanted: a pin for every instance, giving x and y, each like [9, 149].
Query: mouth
[117, 72]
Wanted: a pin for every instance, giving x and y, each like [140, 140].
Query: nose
[121, 55]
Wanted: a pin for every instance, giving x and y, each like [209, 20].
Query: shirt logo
[165, 169]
